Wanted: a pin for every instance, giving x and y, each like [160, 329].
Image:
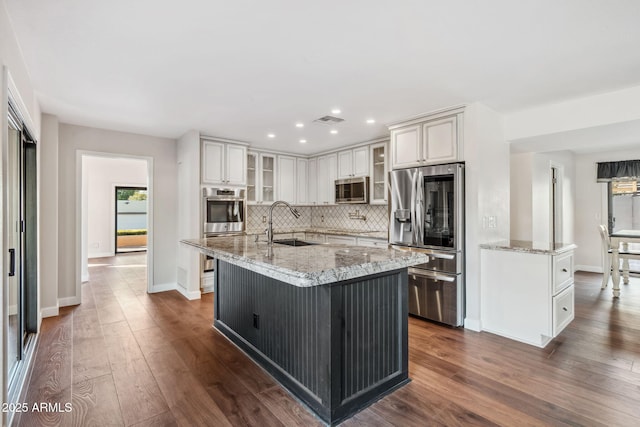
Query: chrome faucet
[293, 210]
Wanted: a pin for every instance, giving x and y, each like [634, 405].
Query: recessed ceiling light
[303, 141]
[370, 121]
[336, 111]
[333, 131]
[299, 125]
[271, 135]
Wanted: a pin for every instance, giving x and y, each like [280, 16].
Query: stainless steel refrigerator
[426, 214]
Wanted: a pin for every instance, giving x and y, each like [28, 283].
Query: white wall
[521, 174]
[189, 215]
[591, 206]
[49, 222]
[102, 174]
[164, 180]
[486, 157]
[582, 113]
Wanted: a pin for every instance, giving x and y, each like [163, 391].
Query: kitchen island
[329, 322]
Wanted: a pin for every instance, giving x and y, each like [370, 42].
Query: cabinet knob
[565, 309]
[564, 270]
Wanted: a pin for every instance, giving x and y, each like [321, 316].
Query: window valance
[610, 171]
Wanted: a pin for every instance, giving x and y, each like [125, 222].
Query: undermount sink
[293, 242]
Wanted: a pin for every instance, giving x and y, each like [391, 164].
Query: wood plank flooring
[124, 357]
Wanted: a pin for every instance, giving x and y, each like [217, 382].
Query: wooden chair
[625, 256]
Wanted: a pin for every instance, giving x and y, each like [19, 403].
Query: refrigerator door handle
[414, 232]
[419, 207]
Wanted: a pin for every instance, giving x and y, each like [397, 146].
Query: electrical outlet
[321, 218]
[493, 221]
[264, 219]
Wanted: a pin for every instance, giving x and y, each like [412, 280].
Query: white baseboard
[12, 309]
[65, 302]
[49, 311]
[100, 255]
[589, 268]
[84, 278]
[208, 289]
[472, 324]
[162, 287]
[190, 295]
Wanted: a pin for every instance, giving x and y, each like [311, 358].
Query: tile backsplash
[320, 217]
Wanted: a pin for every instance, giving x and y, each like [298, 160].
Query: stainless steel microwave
[352, 190]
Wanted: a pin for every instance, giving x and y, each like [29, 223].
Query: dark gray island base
[337, 347]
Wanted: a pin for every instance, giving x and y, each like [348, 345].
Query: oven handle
[431, 275]
[224, 199]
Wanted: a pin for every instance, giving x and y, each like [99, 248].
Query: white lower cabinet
[341, 240]
[525, 296]
[372, 243]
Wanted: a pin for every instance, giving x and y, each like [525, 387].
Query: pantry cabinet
[223, 163]
[429, 140]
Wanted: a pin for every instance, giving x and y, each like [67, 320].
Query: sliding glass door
[21, 320]
[624, 211]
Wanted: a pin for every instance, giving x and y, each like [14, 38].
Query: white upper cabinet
[406, 146]
[327, 174]
[302, 194]
[312, 181]
[223, 163]
[379, 169]
[286, 173]
[440, 140]
[260, 178]
[353, 163]
[426, 141]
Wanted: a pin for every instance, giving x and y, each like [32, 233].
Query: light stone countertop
[529, 247]
[305, 266]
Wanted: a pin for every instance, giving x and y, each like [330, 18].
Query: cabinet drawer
[373, 243]
[562, 271]
[314, 237]
[563, 310]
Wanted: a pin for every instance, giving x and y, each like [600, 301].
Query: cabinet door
[236, 167]
[213, 162]
[378, 184]
[302, 195]
[332, 168]
[406, 146]
[253, 161]
[312, 182]
[322, 180]
[440, 140]
[267, 178]
[345, 164]
[287, 179]
[341, 240]
[361, 161]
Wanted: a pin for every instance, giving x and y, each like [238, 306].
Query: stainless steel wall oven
[224, 210]
[426, 214]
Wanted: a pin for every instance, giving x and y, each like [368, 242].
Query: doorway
[100, 176]
[130, 219]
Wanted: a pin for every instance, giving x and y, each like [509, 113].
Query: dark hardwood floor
[124, 357]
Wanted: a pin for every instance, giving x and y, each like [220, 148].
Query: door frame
[81, 210]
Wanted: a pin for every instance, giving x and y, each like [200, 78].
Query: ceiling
[242, 69]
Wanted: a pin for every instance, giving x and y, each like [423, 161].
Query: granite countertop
[529, 247]
[305, 266]
[374, 234]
